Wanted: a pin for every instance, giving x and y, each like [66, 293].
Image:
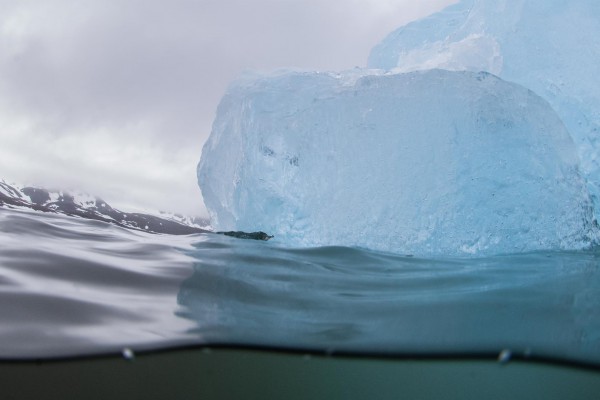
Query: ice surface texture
[549, 46]
[426, 163]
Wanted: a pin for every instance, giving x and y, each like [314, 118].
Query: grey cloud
[154, 71]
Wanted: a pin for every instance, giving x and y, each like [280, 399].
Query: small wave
[74, 287]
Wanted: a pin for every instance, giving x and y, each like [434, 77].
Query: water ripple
[71, 286]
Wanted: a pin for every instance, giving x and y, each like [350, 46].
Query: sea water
[75, 287]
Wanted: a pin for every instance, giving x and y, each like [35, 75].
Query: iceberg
[428, 163]
[549, 46]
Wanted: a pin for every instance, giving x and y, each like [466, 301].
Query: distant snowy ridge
[83, 205]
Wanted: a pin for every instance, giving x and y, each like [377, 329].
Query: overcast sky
[116, 97]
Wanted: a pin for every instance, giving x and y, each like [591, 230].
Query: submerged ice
[428, 163]
[549, 46]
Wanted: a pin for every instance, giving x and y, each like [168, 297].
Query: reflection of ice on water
[351, 300]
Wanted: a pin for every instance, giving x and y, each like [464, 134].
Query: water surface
[72, 287]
